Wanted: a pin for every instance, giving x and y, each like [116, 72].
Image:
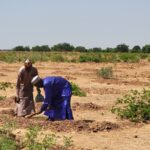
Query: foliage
[71, 56]
[41, 48]
[21, 48]
[146, 49]
[7, 143]
[122, 48]
[31, 139]
[2, 98]
[5, 85]
[62, 47]
[68, 142]
[76, 90]
[95, 49]
[92, 57]
[57, 58]
[80, 49]
[136, 49]
[129, 57]
[49, 141]
[7, 139]
[105, 72]
[8, 125]
[134, 106]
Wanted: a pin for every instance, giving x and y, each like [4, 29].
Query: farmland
[94, 127]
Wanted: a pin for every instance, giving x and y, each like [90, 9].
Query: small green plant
[2, 98]
[57, 58]
[32, 142]
[7, 139]
[31, 138]
[7, 143]
[134, 106]
[5, 85]
[129, 57]
[68, 142]
[105, 72]
[49, 141]
[8, 125]
[76, 90]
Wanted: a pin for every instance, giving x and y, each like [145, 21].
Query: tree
[36, 48]
[18, 48]
[122, 48]
[62, 47]
[146, 49]
[45, 48]
[80, 49]
[136, 48]
[96, 49]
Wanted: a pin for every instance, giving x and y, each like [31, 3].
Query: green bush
[57, 58]
[5, 85]
[77, 91]
[134, 106]
[105, 72]
[129, 57]
[68, 142]
[7, 143]
[90, 57]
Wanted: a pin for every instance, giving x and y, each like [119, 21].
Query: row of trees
[69, 47]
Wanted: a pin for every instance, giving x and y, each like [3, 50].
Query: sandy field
[94, 126]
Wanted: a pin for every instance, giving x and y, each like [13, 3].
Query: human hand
[17, 99]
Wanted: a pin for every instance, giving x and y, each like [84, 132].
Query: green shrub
[76, 90]
[105, 72]
[134, 106]
[2, 98]
[5, 85]
[7, 143]
[90, 57]
[129, 57]
[68, 142]
[57, 58]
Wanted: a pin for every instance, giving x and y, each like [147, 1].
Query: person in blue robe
[57, 99]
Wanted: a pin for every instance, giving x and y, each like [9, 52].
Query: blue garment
[57, 98]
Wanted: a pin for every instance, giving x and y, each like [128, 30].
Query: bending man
[57, 97]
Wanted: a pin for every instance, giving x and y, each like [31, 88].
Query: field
[94, 127]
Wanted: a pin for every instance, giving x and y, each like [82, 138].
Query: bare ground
[94, 127]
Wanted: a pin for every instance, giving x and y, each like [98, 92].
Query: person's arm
[48, 97]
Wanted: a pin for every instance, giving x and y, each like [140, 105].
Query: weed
[129, 57]
[68, 142]
[7, 143]
[5, 85]
[2, 98]
[134, 106]
[49, 141]
[76, 90]
[105, 72]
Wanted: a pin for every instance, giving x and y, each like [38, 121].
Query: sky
[88, 23]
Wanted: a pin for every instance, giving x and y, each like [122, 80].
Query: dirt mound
[62, 126]
[85, 106]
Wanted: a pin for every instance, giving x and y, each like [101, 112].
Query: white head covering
[27, 61]
[35, 79]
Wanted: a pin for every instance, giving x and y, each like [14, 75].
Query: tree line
[68, 47]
